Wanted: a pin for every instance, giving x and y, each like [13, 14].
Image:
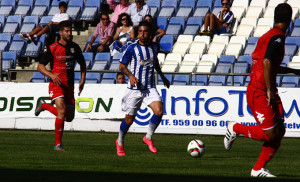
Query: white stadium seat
[249, 21]
[238, 39]
[205, 67]
[173, 58]
[198, 48]
[245, 30]
[210, 58]
[274, 3]
[241, 3]
[296, 59]
[186, 68]
[234, 49]
[191, 59]
[266, 21]
[254, 12]
[269, 13]
[220, 39]
[295, 65]
[161, 58]
[260, 30]
[216, 48]
[185, 38]
[238, 12]
[259, 3]
[205, 39]
[181, 48]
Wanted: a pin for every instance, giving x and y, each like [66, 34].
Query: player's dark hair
[64, 24]
[146, 24]
[283, 13]
[119, 22]
[63, 3]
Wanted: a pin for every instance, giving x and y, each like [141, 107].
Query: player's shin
[123, 131]
[50, 108]
[153, 124]
[59, 128]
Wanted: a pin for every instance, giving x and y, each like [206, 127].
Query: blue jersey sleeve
[127, 56]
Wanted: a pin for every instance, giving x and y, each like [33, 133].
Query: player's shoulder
[53, 46]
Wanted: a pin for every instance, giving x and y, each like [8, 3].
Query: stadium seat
[101, 61]
[40, 8]
[292, 41]
[199, 80]
[17, 45]
[193, 25]
[38, 77]
[181, 48]
[161, 58]
[245, 59]
[252, 40]
[234, 49]
[168, 8]
[241, 3]
[74, 9]
[290, 81]
[166, 43]
[114, 66]
[260, 30]
[286, 61]
[91, 10]
[92, 77]
[205, 4]
[12, 24]
[198, 48]
[274, 3]
[254, 12]
[8, 61]
[5, 40]
[109, 78]
[237, 80]
[191, 59]
[7, 7]
[290, 50]
[181, 79]
[245, 30]
[162, 22]
[3, 45]
[24, 7]
[238, 40]
[238, 12]
[249, 49]
[29, 23]
[175, 26]
[296, 59]
[210, 57]
[33, 49]
[296, 32]
[154, 7]
[204, 39]
[221, 39]
[216, 10]
[45, 20]
[201, 11]
[227, 59]
[186, 68]
[173, 58]
[258, 3]
[186, 7]
[185, 39]
[168, 76]
[216, 48]
[205, 67]
[294, 65]
[269, 13]
[266, 21]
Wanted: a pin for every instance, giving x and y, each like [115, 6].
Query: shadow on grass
[86, 176]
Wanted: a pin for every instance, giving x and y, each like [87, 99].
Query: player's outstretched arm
[158, 70]
[133, 80]
[288, 70]
[54, 77]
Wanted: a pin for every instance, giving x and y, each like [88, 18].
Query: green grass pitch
[88, 156]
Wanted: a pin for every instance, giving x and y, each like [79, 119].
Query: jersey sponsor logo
[146, 62]
[278, 40]
[72, 50]
[260, 117]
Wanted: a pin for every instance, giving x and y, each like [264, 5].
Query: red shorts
[266, 116]
[66, 91]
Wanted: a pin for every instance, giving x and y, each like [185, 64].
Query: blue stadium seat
[8, 60]
[29, 23]
[5, 40]
[227, 59]
[45, 20]
[247, 59]
[290, 81]
[92, 78]
[195, 21]
[237, 80]
[154, 7]
[88, 42]
[168, 76]
[168, 8]
[109, 78]
[252, 40]
[2, 22]
[77, 77]
[24, 7]
[216, 80]
[186, 7]
[162, 22]
[199, 80]
[101, 61]
[88, 56]
[7, 7]
[296, 32]
[38, 77]
[117, 57]
[290, 50]
[292, 41]
[247, 81]
[217, 4]
[167, 42]
[241, 67]
[91, 10]
[249, 48]
[201, 11]
[204, 4]
[33, 49]
[40, 8]
[180, 79]
[191, 29]
[114, 66]
[12, 24]
[286, 61]
[74, 8]
[278, 81]
[175, 26]
[17, 45]
[216, 10]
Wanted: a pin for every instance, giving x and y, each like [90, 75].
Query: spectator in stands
[120, 78]
[51, 27]
[124, 32]
[138, 11]
[218, 24]
[118, 8]
[157, 32]
[106, 30]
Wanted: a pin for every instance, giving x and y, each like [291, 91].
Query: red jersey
[269, 46]
[62, 60]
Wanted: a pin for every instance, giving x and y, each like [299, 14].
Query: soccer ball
[196, 148]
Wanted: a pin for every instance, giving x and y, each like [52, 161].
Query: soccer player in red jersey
[62, 56]
[262, 94]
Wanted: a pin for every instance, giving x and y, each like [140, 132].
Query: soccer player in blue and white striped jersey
[219, 24]
[142, 56]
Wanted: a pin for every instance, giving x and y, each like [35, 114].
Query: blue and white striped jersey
[228, 17]
[142, 60]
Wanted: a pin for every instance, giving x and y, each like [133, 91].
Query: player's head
[120, 78]
[62, 6]
[104, 18]
[283, 13]
[148, 18]
[144, 31]
[65, 30]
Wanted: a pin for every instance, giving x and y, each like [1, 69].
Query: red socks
[59, 128]
[268, 151]
[49, 108]
[254, 132]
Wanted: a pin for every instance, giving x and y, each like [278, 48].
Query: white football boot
[230, 135]
[262, 173]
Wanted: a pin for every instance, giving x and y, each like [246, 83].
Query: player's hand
[270, 97]
[81, 85]
[55, 78]
[133, 80]
[166, 82]
[88, 48]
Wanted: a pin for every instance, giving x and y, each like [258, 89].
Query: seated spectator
[118, 8]
[120, 78]
[157, 32]
[124, 32]
[51, 27]
[218, 24]
[106, 30]
[138, 11]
